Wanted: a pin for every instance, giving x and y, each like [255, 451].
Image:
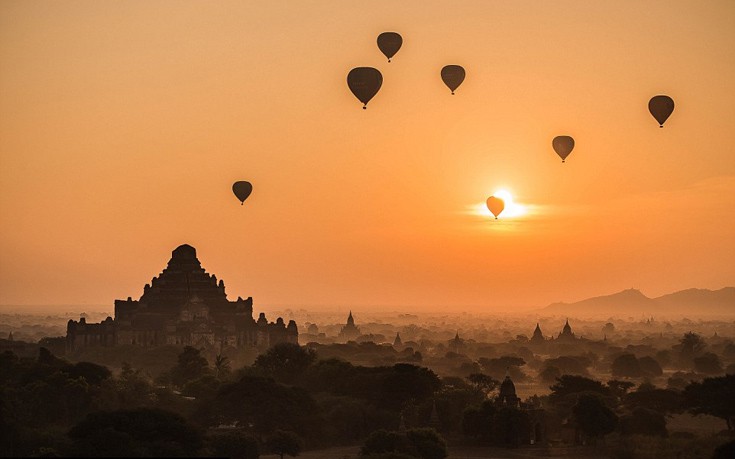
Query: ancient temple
[538, 336]
[566, 333]
[183, 305]
[350, 331]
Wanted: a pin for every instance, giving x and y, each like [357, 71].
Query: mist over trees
[632, 390]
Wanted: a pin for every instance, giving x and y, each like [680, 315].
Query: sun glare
[512, 208]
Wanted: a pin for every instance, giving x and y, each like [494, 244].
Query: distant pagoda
[350, 331]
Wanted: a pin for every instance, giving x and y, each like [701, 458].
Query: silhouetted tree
[690, 345]
[222, 367]
[626, 365]
[664, 401]
[571, 384]
[191, 365]
[427, 443]
[483, 383]
[511, 426]
[418, 443]
[619, 388]
[477, 422]
[650, 366]
[708, 363]
[264, 405]
[405, 382]
[283, 442]
[643, 421]
[285, 361]
[725, 451]
[139, 432]
[234, 445]
[593, 417]
[713, 396]
[549, 374]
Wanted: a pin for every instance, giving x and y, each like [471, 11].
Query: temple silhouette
[183, 305]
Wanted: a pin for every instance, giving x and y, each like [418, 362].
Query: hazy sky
[123, 125]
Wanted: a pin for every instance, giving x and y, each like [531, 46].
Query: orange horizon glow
[124, 125]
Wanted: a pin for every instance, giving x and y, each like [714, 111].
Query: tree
[418, 443]
[664, 401]
[570, 365]
[222, 367]
[593, 417]
[234, 445]
[690, 345]
[92, 373]
[498, 367]
[139, 432]
[427, 443]
[405, 382]
[570, 384]
[725, 451]
[643, 421]
[191, 365]
[384, 441]
[713, 396]
[483, 383]
[708, 363]
[285, 361]
[627, 365]
[284, 442]
[620, 388]
[549, 375]
[265, 406]
[477, 422]
[510, 426]
[650, 366]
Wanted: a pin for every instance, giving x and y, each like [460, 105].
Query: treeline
[289, 399]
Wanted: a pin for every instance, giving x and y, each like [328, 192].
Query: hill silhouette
[692, 302]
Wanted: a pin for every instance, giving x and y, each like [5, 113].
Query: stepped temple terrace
[184, 305]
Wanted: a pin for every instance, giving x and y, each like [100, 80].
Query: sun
[512, 208]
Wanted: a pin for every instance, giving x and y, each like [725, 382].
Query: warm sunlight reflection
[512, 208]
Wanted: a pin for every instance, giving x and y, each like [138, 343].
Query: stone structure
[507, 394]
[566, 333]
[350, 331]
[184, 305]
[538, 336]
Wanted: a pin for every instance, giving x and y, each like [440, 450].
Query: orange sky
[124, 124]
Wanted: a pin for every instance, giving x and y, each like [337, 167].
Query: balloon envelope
[495, 205]
[242, 190]
[453, 76]
[364, 82]
[389, 43]
[661, 108]
[563, 145]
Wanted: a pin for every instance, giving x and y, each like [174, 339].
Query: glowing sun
[512, 208]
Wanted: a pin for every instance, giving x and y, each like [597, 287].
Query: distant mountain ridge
[691, 302]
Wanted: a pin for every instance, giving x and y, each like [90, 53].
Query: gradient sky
[123, 125]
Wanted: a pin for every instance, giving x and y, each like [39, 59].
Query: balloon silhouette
[453, 76]
[563, 145]
[661, 108]
[242, 190]
[389, 43]
[364, 82]
[495, 205]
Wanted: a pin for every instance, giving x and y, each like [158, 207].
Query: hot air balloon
[563, 145]
[495, 205]
[364, 82]
[661, 108]
[389, 43]
[242, 190]
[453, 76]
